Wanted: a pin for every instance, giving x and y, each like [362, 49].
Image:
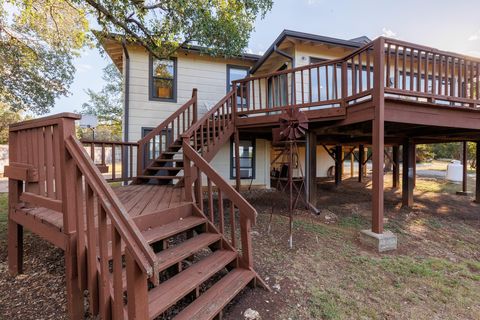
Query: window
[247, 159]
[235, 73]
[163, 79]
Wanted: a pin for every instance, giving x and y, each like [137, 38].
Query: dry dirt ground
[434, 274]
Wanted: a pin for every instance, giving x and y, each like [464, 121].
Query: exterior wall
[221, 163]
[207, 74]
[324, 161]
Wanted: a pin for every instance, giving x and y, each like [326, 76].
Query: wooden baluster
[426, 77]
[412, 69]
[419, 71]
[327, 86]
[354, 75]
[360, 76]
[136, 288]
[395, 75]
[210, 200]
[440, 76]
[245, 237]
[113, 161]
[388, 66]
[253, 93]
[369, 85]
[310, 85]
[122, 162]
[80, 227]
[294, 91]
[404, 68]
[91, 252]
[260, 93]
[198, 189]
[477, 86]
[92, 151]
[57, 162]
[131, 161]
[434, 75]
[318, 85]
[452, 81]
[187, 164]
[302, 86]
[41, 161]
[242, 98]
[344, 83]
[104, 297]
[232, 224]
[470, 80]
[220, 212]
[335, 81]
[459, 80]
[117, 274]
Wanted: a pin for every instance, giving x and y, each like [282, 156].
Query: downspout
[126, 107]
[292, 61]
[126, 97]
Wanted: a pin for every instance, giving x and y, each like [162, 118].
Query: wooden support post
[378, 129]
[137, 287]
[237, 159]
[69, 208]
[408, 173]
[477, 171]
[15, 231]
[343, 160]
[352, 160]
[396, 167]
[338, 165]
[465, 165]
[361, 159]
[311, 168]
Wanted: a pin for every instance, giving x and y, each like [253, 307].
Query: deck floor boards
[137, 200]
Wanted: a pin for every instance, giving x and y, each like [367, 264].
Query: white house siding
[221, 163]
[324, 161]
[207, 74]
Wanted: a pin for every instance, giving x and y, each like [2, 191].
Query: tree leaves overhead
[221, 27]
[38, 41]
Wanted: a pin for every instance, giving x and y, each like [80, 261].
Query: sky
[443, 24]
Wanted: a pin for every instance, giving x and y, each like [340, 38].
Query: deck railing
[105, 232]
[200, 144]
[114, 159]
[51, 169]
[410, 71]
[209, 133]
[166, 134]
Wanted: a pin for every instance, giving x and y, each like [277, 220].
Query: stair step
[165, 168]
[160, 177]
[171, 256]
[212, 302]
[169, 160]
[171, 152]
[169, 292]
[168, 230]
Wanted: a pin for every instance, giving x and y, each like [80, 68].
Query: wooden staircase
[195, 265]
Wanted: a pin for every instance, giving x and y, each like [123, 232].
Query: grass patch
[3, 211]
[355, 222]
[323, 305]
[311, 227]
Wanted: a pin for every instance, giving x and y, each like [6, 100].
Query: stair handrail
[170, 121]
[139, 256]
[217, 124]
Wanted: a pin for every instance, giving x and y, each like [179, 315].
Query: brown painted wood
[477, 172]
[408, 173]
[396, 167]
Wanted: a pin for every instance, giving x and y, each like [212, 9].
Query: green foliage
[107, 106]
[38, 41]
[424, 153]
[162, 26]
[7, 117]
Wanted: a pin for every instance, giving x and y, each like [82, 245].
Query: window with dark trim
[237, 73]
[163, 79]
[247, 159]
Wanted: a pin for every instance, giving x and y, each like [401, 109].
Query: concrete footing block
[381, 242]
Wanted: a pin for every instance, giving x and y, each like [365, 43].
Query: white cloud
[249, 51]
[386, 32]
[474, 36]
[314, 2]
[83, 67]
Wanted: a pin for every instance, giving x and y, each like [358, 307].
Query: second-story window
[163, 79]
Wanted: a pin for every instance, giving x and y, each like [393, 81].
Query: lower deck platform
[137, 199]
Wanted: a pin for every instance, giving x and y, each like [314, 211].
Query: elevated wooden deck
[137, 199]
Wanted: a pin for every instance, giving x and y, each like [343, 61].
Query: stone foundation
[385, 241]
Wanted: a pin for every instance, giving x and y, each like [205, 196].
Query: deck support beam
[378, 143]
[396, 167]
[464, 191]
[311, 168]
[408, 173]
[361, 160]
[338, 165]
